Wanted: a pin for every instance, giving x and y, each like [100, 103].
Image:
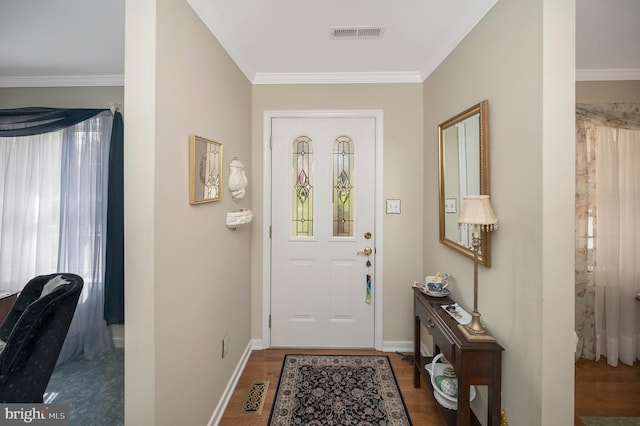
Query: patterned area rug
[611, 421]
[317, 390]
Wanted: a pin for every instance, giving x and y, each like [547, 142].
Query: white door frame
[268, 115]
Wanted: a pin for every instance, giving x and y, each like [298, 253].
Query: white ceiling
[61, 42]
[608, 39]
[268, 39]
[81, 42]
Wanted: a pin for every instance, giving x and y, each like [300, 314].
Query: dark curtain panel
[35, 120]
[114, 269]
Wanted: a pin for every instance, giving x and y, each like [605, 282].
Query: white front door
[323, 211]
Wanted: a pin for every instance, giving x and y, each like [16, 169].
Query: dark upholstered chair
[34, 331]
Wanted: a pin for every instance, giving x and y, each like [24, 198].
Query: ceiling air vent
[343, 33]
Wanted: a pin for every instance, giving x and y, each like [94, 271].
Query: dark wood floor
[606, 391]
[600, 390]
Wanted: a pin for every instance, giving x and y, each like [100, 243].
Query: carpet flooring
[610, 421]
[93, 389]
[327, 390]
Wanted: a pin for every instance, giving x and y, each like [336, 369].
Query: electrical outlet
[393, 206]
[225, 345]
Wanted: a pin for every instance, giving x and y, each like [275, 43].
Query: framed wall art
[205, 169]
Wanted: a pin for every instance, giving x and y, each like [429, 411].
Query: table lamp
[477, 212]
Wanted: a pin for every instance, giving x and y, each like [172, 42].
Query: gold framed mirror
[205, 170]
[463, 169]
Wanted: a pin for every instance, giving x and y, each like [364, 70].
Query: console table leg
[417, 359]
[464, 409]
[495, 392]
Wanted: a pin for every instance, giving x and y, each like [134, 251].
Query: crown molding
[338, 78]
[607, 74]
[62, 81]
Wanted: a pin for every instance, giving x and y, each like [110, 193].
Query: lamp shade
[477, 210]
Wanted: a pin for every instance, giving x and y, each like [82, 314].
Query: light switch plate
[450, 205]
[393, 206]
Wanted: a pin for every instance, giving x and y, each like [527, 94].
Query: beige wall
[188, 276]
[591, 92]
[61, 97]
[502, 61]
[402, 108]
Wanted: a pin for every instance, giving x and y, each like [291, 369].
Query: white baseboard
[405, 346]
[424, 351]
[117, 335]
[118, 342]
[400, 346]
[258, 344]
[231, 386]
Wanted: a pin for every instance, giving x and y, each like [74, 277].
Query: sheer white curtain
[53, 207]
[29, 207]
[83, 214]
[617, 272]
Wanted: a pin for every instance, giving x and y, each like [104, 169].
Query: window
[302, 188]
[343, 205]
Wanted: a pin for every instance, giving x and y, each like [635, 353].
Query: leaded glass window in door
[343, 203]
[302, 215]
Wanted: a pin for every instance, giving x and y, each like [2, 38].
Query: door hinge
[269, 231]
[269, 321]
[270, 141]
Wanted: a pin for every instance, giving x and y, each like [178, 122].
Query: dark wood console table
[475, 363]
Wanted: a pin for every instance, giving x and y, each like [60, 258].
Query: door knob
[367, 251]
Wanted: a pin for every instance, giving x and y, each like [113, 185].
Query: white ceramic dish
[444, 293]
[436, 369]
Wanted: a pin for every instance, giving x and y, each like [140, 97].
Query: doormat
[610, 421]
[255, 399]
[324, 390]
